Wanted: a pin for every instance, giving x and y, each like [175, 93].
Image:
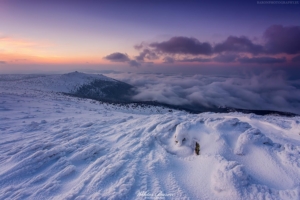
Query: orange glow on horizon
[34, 59]
[20, 51]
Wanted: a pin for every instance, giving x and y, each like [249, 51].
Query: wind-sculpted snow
[59, 147]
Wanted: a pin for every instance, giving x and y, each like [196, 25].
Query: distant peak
[76, 73]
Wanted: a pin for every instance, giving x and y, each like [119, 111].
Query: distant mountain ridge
[94, 86]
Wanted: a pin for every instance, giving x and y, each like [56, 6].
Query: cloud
[121, 57]
[225, 58]
[238, 44]
[268, 90]
[146, 53]
[2, 62]
[262, 60]
[182, 45]
[277, 40]
[117, 57]
[282, 39]
[140, 46]
[296, 59]
[197, 59]
[168, 59]
[134, 63]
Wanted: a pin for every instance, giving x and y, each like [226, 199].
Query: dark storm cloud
[268, 90]
[182, 45]
[238, 44]
[282, 39]
[262, 60]
[296, 59]
[117, 57]
[225, 58]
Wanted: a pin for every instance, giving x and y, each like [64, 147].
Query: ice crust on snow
[59, 147]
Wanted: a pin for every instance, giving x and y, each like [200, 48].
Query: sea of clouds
[267, 90]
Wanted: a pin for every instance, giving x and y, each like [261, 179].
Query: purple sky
[155, 36]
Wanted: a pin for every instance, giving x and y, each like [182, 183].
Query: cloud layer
[267, 90]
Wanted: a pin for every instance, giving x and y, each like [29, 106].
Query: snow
[59, 147]
[67, 83]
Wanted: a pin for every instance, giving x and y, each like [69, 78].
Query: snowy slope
[94, 86]
[58, 147]
[67, 83]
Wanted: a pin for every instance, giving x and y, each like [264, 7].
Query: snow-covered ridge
[67, 83]
[94, 86]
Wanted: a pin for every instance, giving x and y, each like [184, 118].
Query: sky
[148, 36]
